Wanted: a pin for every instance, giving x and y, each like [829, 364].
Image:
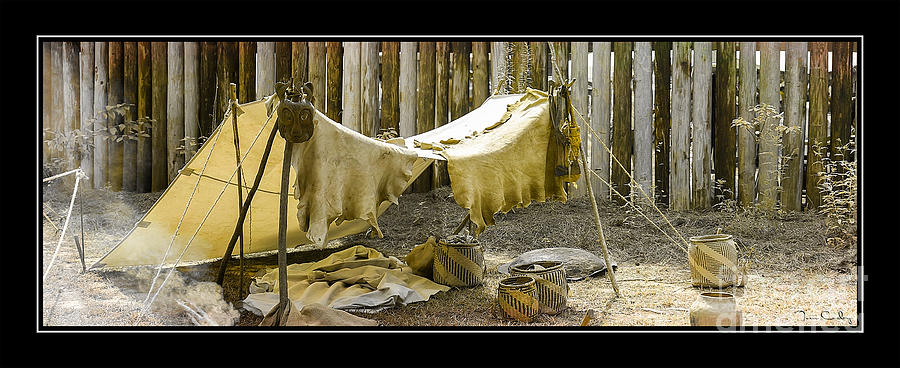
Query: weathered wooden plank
[724, 113]
[643, 117]
[316, 62]
[174, 109]
[227, 72]
[818, 121]
[129, 95]
[101, 148]
[334, 60]
[769, 93]
[499, 67]
[299, 63]
[351, 89]
[580, 102]
[407, 89]
[519, 65]
[86, 108]
[701, 132]
[539, 70]
[746, 137]
[794, 99]
[425, 105]
[265, 69]
[46, 112]
[283, 62]
[459, 80]
[561, 54]
[622, 135]
[246, 72]
[481, 71]
[57, 102]
[191, 99]
[71, 103]
[662, 118]
[841, 98]
[369, 71]
[442, 96]
[115, 96]
[144, 154]
[390, 86]
[207, 85]
[680, 166]
[600, 118]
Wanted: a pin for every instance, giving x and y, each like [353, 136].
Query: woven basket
[459, 265]
[516, 298]
[713, 260]
[551, 289]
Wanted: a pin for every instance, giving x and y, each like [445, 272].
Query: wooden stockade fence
[666, 110]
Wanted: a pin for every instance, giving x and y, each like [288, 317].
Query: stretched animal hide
[343, 175]
[508, 165]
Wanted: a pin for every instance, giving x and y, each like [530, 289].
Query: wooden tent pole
[240, 184]
[587, 183]
[281, 312]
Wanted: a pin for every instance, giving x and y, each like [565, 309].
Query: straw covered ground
[794, 278]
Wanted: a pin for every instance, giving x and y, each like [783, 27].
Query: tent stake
[283, 309]
[240, 223]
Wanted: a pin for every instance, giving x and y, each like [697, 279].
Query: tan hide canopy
[195, 217]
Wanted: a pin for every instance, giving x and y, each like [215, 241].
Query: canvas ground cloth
[355, 279]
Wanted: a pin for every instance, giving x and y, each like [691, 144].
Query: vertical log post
[71, 103]
[818, 121]
[539, 70]
[368, 74]
[283, 63]
[390, 86]
[300, 65]
[769, 78]
[726, 99]
[101, 148]
[442, 97]
[519, 64]
[459, 80]
[622, 135]
[643, 117]
[265, 78]
[701, 133]
[746, 138]
[46, 111]
[481, 72]
[600, 118]
[144, 154]
[207, 104]
[191, 99]
[794, 99]
[841, 98]
[407, 89]
[160, 76]
[499, 67]
[680, 166]
[425, 106]
[87, 109]
[351, 89]
[175, 109]
[662, 118]
[580, 101]
[129, 95]
[316, 62]
[334, 60]
[226, 72]
[57, 101]
[561, 54]
[115, 96]
[246, 72]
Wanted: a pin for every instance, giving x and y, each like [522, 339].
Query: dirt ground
[794, 278]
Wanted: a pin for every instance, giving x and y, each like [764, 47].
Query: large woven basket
[459, 265]
[551, 289]
[713, 260]
[516, 298]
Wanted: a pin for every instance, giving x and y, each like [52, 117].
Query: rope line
[147, 305]
[68, 215]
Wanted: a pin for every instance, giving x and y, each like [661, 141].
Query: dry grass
[792, 269]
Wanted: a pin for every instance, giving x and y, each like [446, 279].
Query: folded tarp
[354, 279]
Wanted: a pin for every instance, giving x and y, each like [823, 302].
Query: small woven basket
[551, 289]
[516, 298]
[459, 265]
[713, 260]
